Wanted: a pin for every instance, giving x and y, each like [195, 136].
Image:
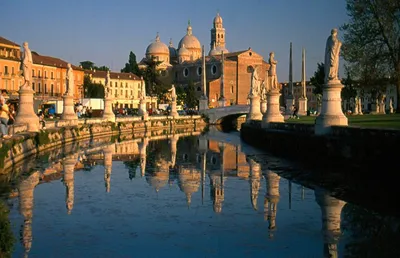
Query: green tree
[6, 235]
[349, 91]
[102, 68]
[132, 66]
[318, 79]
[92, 90]
[154, 86]
[191, 98]
[372, 39]
[180, 96]
[89, 65]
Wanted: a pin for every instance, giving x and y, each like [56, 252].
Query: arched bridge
[217, 115]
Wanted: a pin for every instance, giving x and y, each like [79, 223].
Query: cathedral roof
[157, 47]
[183, 51]
[189, 40]
[113, 75]
[172, 50]
[217, 19]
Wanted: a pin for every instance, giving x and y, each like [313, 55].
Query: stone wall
[24, 144]
[350, 146]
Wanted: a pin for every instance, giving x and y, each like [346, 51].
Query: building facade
[125, 87]
[48, 73]
[183, 65]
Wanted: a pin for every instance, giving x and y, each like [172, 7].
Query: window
[45, 74]
[116, 84]
[232, 89]
[12, 70]
[39, 73]
[39, 87]
[122, 93]
[33, 73]
[5, 69]
[199, 70]
[33, 86]
[185, 72]
[52, 75]
[213, 69]
[12, 84]
[126, 85]
[52, 89]
[45, 88]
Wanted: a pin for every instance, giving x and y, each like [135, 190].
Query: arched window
[213, 69]
[199, 70]
[185, 72]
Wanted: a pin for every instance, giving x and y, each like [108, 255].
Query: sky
[104, 32]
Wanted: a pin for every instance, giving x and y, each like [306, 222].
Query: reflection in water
[271, 200]
[331, 209]
[25, 190]
[187, 162]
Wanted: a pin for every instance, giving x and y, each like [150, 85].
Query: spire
[203, 74]
[158, 37]
[303, 73]
[170, 43]
[290, 72]
[189, 29]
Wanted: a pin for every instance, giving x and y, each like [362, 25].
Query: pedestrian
[295, 110]
[41, 120]
[4, 116]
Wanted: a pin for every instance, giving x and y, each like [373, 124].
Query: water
[106, 203]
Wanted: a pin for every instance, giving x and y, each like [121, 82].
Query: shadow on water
[154, 190]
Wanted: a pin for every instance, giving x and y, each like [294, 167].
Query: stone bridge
[217, 115]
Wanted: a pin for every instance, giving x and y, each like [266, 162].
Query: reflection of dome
[172, 51]
[160, 177]
[189, 181]
[157, 47]
[190, 41]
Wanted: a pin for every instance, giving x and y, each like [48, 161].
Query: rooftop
[113, 75]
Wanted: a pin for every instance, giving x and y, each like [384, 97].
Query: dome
[189, 40]
[183, 51]
[217, 19]
[157, 47]
[217, 50]
[172, 50]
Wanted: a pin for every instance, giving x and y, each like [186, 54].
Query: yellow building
[125, 88]
[48, 73]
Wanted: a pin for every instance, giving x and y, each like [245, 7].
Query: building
[312, 101]
[48, 73]
[183, 65]
[125, 88]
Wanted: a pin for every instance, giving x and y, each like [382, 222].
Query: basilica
[183, 64]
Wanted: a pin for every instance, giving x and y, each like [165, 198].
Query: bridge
[217, 115]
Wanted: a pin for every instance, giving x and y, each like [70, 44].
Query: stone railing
[58, 132]
[292, 127]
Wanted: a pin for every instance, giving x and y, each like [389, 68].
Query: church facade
[183, 65]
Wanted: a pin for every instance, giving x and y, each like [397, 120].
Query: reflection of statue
[173, 93]
[70, 81]
[107, 87]
[26, 65]
[255, 83]
[272, 71]
[332, 57]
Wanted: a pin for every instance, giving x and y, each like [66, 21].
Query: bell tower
[217, 33]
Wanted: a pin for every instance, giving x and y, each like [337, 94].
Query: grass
[388, 121]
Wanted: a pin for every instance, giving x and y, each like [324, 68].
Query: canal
[183, 196]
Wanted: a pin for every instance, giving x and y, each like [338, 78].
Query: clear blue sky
[106, 31]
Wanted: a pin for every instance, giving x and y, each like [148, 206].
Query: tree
[89, 65]
[102, 68]
[154, 86]
[180, 96]
[191, 99]
[372, 39]
[92, 90]
[318, 79]
[6, 234]
[349, 91]
[132, 66]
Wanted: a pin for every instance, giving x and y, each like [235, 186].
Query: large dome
[157, 47]
[183, 51]
[189, 40]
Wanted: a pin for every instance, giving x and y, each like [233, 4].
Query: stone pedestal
[203, 103]
[174, 112]
[331, 111]
[142, 109]
[382, 108]
[263, 106]
[26, 114]
[255, 112]
[302, 106]
[108, 113]
[289, 105]
[68, 109]
[390, 109]
[273, 113]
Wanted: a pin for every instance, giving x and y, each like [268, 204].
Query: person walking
[4, 116]
[295, 111]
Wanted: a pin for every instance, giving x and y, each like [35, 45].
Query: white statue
[143, 90]
[332, 51]
[255, 83]
[391, 103]
[107, 86]
[359, 105]
[70, 81]
[26, 65]
[173, 93]
[272, 71]
[263, 91]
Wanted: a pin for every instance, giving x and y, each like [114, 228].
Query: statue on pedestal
[332, 51]
[143, 91]
[272, 71]
[390, 105]
[263, 91]
[26, 66]
[70, 81]
[107, 86]
[255, 83]
[173, 93]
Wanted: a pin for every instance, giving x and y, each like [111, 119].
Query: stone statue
[70, 81]
[26, 65]
[359, 105]
[173, 93]
[332, 51]
[272, 71]
[143, 90]
[390, 103]
[255, 83]
[107, 86]
[263, 91]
